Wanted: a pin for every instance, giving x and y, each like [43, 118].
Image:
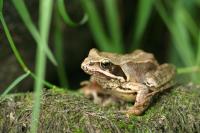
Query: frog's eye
[105, 64]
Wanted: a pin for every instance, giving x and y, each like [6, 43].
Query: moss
[173, 111]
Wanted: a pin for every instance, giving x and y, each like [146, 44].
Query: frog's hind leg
[163, 88]
[140, 106]
[158, 80]
[143, 101]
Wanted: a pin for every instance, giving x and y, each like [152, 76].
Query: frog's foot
[139, 107]
[135, 111]
[132, 111]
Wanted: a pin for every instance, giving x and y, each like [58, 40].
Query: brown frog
[134, 77]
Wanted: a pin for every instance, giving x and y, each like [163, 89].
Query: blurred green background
[65, 30]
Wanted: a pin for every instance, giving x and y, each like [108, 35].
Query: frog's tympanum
[134, 77]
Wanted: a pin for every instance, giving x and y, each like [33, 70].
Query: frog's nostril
[82, 66]
[91, 63]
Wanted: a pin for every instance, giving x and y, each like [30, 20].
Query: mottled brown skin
[134, 77]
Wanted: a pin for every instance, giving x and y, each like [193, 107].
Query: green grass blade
[179, 34]
[24, 14]
[143, 14]
[11, 42]
[17, 54]
[58, 40]
[162, 12]
[182, 44]
[198, 51]
[65, 15]
[198, 58]
[96, 26]
[45, 19]
[190, 23]
[44, 24]
[15, 83]
[194, 72]
[198, 2]
[193, 69]
[46, 83]
[1, 5]
[182, 37]
[113, 22]
[40, 70]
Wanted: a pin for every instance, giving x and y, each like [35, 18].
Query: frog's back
[137, 71]
[139, 56]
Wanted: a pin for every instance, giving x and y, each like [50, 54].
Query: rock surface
[176, 110]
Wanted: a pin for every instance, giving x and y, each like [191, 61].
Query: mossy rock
[177, 110]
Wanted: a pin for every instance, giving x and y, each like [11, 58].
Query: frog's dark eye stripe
[117, 71]
[114, 69]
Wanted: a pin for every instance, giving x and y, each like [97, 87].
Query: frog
[133, 77]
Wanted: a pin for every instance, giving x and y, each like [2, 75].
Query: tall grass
[181, 25]
[143, 14]
[41, 37]
[44, 24]
[112, 42]
[24, 14]
[40, 61]
[14, 83]
[16, 52]
[96, 25]
[59, 53]
[61, 13]
[183, 30]
[113, 23]
[62, 10]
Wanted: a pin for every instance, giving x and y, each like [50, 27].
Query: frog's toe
[134, 111]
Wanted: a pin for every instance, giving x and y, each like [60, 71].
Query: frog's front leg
[142, 100]
[92, 90]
